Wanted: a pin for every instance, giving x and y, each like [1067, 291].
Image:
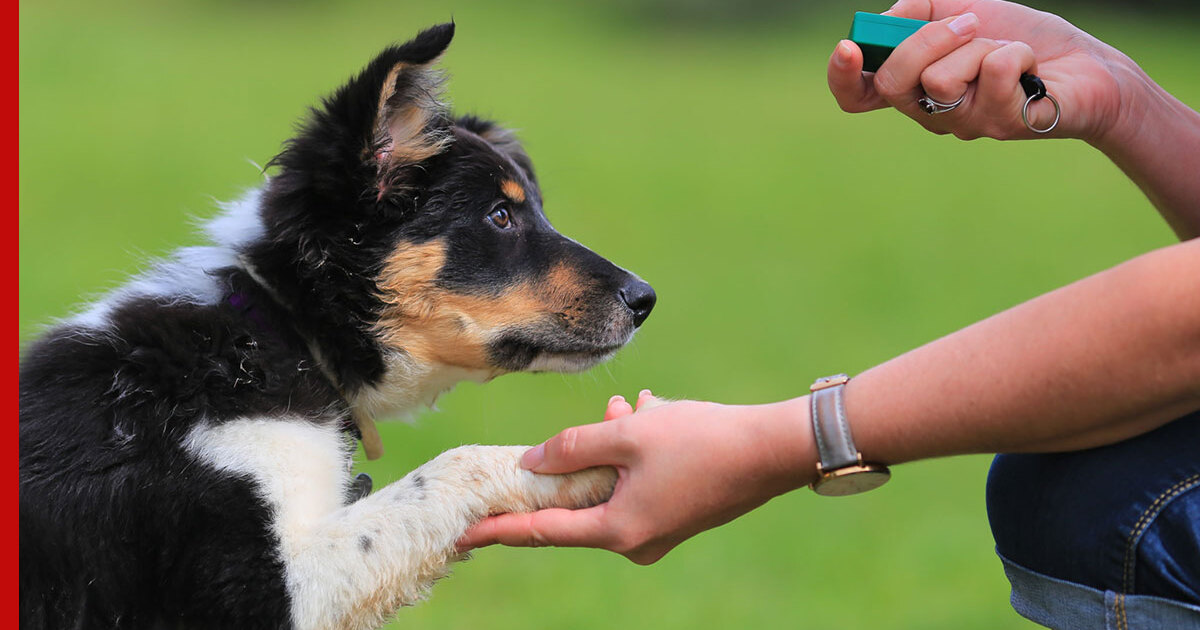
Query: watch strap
[834, 444]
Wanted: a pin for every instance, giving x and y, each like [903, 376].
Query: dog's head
[394, 229]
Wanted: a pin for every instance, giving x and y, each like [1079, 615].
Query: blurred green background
[690, 142]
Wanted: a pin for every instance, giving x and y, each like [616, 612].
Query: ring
[932, 107]
[1025, 114]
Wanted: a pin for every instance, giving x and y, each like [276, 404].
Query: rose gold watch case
[851, 479]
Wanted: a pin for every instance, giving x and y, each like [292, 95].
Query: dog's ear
[378, 125]
[411, 123]
[393, 110]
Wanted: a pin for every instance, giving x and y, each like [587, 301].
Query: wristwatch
[841, 470]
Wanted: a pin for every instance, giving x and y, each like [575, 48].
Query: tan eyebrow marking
[512, 190]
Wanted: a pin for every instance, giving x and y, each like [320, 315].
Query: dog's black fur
[120, 525]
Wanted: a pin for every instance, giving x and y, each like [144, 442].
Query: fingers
[899, 79]
[898, 82]
[617, 408]
[647, 400]
[948, 78]
[853, 90]
[576, 448]
[554, 527]
[999, 90]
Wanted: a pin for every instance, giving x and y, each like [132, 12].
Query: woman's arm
[1098, 361]
[1103, 359]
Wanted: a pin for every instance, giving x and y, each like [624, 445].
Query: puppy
[186, 443]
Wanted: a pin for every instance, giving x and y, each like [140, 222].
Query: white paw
[494, 475]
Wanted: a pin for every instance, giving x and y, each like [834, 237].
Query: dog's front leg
[358, 566]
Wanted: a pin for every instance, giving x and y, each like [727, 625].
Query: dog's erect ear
[379, 124]
[411, 123]
[392, 111]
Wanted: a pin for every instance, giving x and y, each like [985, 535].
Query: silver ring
[1025, 115]
[932, 107]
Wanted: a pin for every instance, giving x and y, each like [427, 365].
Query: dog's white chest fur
[300, 468]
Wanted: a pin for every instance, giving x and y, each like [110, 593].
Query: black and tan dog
[186, 443]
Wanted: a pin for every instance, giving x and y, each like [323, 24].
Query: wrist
[787, 448]
[1135, 99]
[1152, 139]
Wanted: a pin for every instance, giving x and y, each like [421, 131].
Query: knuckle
[997, 64]
[938, 83]
[567, 444]
[625, 437]
[1023, 48]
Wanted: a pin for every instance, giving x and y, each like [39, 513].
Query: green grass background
[786, 240]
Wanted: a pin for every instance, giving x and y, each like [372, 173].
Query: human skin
[1107, 100]
[1098, 361]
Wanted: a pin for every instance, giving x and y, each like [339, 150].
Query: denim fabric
[1118, 521]
[1066, 605]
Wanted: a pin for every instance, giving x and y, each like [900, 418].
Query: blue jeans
[1104, 538]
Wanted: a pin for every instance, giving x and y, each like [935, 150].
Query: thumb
[853, 90]
[576, 448]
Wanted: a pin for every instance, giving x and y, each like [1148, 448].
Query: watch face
[851, 480]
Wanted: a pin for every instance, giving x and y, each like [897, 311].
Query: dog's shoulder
[159, 363]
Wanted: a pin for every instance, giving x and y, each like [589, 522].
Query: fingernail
[534, 457]
[841, 55]
[615, 399]
[964, 24]
[644, 392]
[1004, 42]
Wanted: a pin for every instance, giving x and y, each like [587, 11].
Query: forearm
[1156, 142]
[1098, 361]
[1106, 358]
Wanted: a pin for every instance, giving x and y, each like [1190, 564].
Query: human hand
[683, 467]
[978, 49]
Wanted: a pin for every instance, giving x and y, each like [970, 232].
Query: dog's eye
[500, 218]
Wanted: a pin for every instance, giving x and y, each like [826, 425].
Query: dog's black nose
[640, 299]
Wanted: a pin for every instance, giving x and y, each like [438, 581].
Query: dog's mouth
[576, 338]
[557, 350]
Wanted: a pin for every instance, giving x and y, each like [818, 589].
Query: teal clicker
[877, 35]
